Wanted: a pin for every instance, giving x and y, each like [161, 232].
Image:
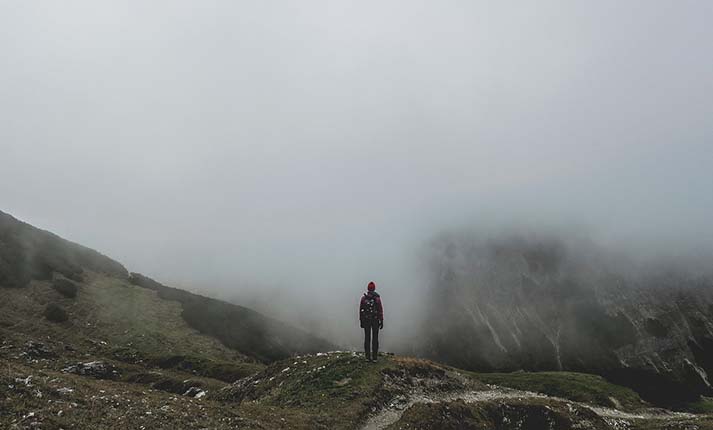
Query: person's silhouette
[371, 318]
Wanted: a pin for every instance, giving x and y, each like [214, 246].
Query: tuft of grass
[579, 387]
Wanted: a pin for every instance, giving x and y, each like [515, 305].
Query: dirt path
[396, 408]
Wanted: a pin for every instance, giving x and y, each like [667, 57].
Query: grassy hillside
[237, 327]
[32, 259]
[111, 318]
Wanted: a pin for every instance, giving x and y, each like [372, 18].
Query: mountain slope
[235, 326]
[83, 344]
[34, 259]
[540, 303]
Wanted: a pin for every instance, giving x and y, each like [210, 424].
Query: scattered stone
[342, 382]
[97, 369]
[27, 381]
[37, 350]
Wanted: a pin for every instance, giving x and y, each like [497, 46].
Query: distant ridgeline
[541, 304]
[28, 253]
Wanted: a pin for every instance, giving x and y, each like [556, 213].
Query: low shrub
[55, 313]
[65, 287]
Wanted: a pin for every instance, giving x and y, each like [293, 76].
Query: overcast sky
[311, 146]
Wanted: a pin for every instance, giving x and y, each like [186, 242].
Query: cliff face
[541, 304]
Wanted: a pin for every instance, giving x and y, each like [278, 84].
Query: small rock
[194, 392]
[38, 350]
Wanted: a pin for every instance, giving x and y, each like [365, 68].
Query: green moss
[704, 405]
[579, 387]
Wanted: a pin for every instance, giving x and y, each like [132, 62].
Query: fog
[283, 154]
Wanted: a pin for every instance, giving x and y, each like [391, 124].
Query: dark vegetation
[65, 287]
[55, 313]
[237, 327]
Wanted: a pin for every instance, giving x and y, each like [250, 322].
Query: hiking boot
[368, 358]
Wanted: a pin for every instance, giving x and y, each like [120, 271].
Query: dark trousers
[371, 337]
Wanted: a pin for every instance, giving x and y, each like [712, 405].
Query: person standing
[371, 319]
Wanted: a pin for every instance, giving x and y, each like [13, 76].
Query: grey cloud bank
[301, 149]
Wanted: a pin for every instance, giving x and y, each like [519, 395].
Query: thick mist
[283, 154]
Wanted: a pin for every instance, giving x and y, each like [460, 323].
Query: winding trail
[398, 406]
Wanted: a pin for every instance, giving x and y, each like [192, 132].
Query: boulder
[195, 392]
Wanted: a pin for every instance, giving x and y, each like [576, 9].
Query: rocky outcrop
[96, 369]
[542, 304]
